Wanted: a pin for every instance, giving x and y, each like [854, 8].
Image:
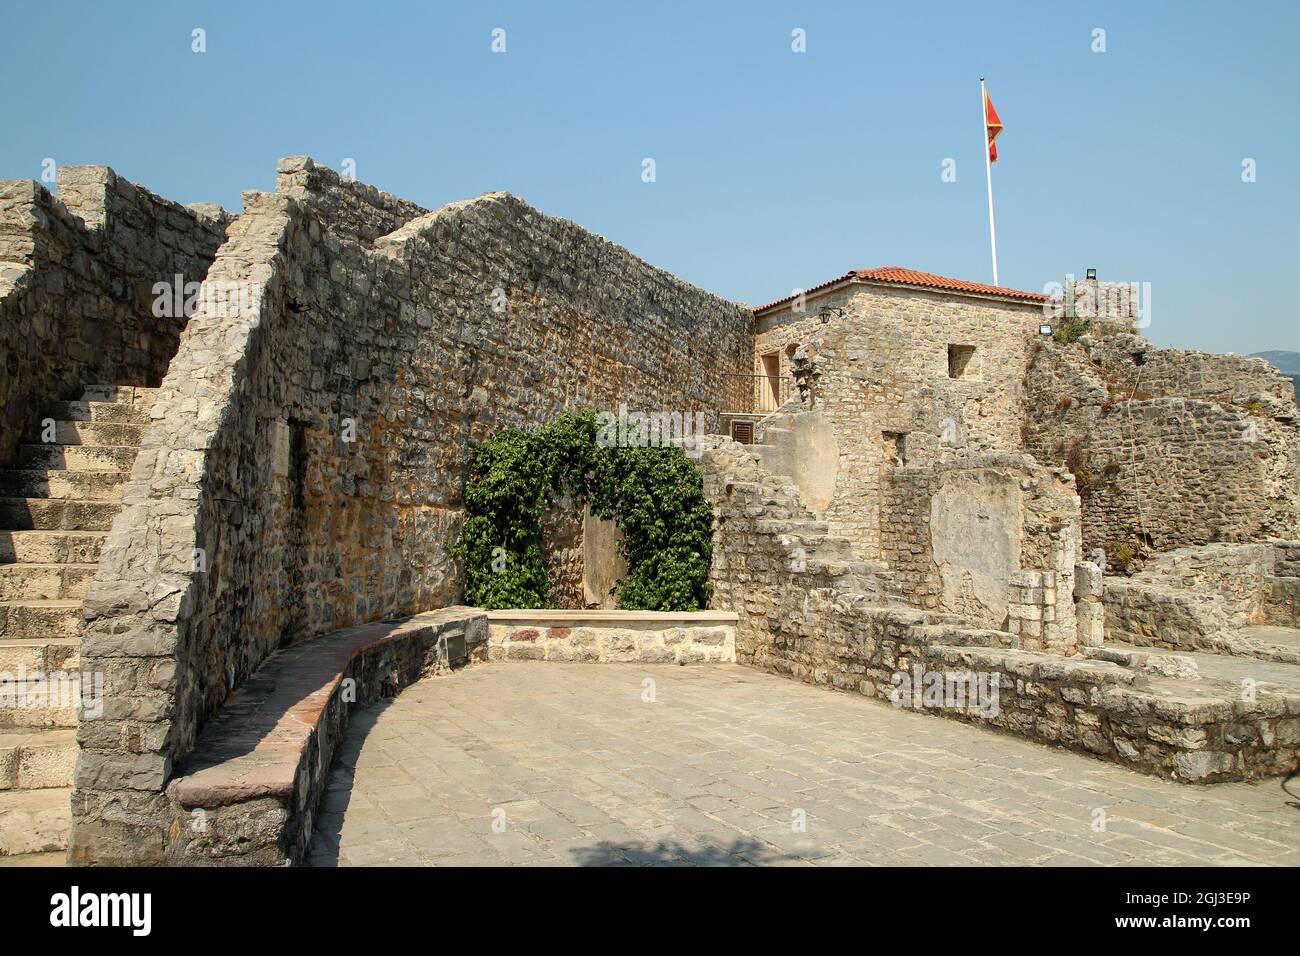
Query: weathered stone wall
[250, 792]
[583, 555]
[1130, 364]
[887, 390]
[77, 275]
[640, 637]
[303, 470]
[1200, 598]
[562, 543]
[805, 624]
[994, 538]
[1157, 470]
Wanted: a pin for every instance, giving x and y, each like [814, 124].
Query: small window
[895, 447]
[961, 361]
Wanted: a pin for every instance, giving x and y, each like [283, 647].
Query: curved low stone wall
[248, 794]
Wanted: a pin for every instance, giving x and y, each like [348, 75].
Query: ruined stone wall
[886, 386]
[809, 627]
[1168, 448]
[1130, 364]
[77, 275]
[957, 535]
[1199, 598]
[303, 471]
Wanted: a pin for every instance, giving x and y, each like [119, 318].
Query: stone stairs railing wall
[77, 286]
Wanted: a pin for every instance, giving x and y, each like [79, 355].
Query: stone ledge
[561, 617]
[640, 637]
[248, 792]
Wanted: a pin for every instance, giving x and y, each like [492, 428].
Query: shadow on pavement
[740, 852]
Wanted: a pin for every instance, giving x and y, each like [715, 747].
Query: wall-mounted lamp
[826, 313]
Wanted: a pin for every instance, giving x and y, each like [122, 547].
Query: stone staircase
[57, 504]
[772, 507]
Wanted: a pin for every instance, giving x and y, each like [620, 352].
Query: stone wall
[797, 622]
[994, 538]
[77, 277]
[892, 391]
[1168, 448]
[1200, 598]
[638, 637]
[583, 555]
[302, 473]
[250, 792]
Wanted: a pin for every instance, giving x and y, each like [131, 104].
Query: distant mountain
[1288, 363]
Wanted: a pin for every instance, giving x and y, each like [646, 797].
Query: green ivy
[655, 495]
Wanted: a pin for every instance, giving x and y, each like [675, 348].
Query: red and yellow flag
[992, 126]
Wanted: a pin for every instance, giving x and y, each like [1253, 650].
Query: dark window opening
[959, 361]
[895, 448]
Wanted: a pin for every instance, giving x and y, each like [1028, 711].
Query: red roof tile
[896, 275]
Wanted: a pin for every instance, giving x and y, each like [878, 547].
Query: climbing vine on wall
[654, 494]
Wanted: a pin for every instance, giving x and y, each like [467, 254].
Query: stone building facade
[912, 375]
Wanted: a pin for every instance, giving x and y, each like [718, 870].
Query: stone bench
[248, 792]
[640, 637]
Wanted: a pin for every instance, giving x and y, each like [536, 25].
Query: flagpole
[988, 171]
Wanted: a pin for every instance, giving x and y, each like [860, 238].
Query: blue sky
[774, 169]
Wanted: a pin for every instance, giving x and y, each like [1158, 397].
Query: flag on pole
[993, 124]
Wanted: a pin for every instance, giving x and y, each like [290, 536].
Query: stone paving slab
[1232, 669]
[556, 764]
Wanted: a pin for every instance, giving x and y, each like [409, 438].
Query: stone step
[40, 701]
[57, 514]
[39, 654]
[98, 412]
[30, 619]
[834, 548]
[851, 575]
[57, 483]
[57, 858]
[92, 434]
[51, 547]
[39, 760]
[121, 394]
[35, 821]
[802, 527]
[77, 457]
[45, 582]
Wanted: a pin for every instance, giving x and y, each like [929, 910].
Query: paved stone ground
[579, 770]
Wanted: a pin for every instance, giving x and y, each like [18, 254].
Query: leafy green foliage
[656, 496]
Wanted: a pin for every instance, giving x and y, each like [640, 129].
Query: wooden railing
[768, 392]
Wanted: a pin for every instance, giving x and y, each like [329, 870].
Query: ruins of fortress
[233, 451]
